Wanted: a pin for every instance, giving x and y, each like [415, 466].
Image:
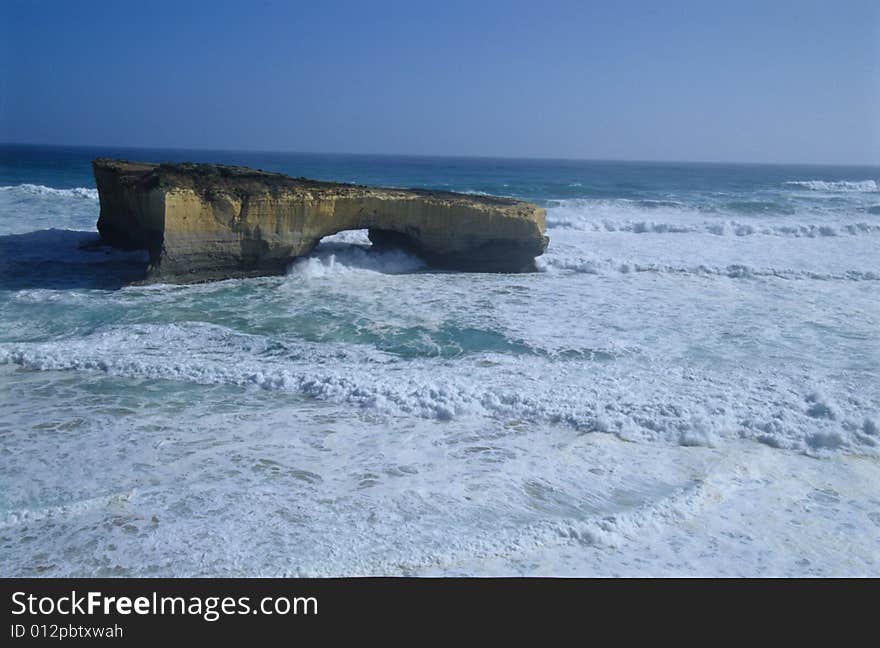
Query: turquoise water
[688, 386]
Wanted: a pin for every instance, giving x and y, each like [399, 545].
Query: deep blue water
[533, 179]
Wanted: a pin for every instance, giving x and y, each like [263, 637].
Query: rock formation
[204, 221]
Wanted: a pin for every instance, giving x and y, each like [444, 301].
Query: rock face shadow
[66, 259]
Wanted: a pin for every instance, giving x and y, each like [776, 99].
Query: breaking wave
[718, 228]
[343, 258]
[84, 193]
[685, 407]
[861, 186]
[587, 264]
[668, 217]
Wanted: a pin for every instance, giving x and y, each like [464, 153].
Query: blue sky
[784, 81]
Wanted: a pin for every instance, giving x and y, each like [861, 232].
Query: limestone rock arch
[204, 221]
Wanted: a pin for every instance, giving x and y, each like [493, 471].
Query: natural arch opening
[358, 250]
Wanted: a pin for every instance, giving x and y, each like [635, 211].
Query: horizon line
[547, 158]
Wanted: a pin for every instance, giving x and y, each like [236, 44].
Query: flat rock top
[204, 178]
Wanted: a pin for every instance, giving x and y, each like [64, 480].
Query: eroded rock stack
[202, 222]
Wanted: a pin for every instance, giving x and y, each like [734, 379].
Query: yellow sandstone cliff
[204, 221]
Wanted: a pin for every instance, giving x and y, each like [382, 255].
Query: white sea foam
[85, 193]
[232, 492]
[674, 406]
[334, 260]
[590, 214]
[632, 217]
[835, 186]
[28, 207]
[50, 513]
[592, 264]
[718, 228]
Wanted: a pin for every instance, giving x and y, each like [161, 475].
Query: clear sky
[761, 81]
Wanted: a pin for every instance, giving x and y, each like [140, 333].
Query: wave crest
[586, 264]
[84, 193]
[718, 228]
[836, 186]
[672, 410]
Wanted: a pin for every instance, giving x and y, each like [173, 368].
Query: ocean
[690, 385]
